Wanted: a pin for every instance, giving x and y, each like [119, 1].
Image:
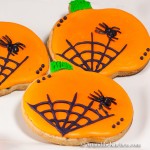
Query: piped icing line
[100, 65]
[13, 49]
[74, 125]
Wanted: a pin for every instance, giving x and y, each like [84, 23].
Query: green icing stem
[76, 5]
[60, 65]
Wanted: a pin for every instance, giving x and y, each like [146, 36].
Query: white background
[40, 16]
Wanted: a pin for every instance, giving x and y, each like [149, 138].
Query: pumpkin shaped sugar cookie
[23, 57]
[109, 41]
[75, 108]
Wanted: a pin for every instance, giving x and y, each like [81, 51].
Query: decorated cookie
[77, 108]
[111, 42]
[23, 57]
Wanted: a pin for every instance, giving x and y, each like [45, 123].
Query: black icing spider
[104, 101]
[12, 48]
[110, 32]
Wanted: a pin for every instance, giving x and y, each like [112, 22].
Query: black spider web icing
[12, 49]
[100, 64]
[5, 67]
[68, 124]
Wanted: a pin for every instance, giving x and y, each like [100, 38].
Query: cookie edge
[18, 87]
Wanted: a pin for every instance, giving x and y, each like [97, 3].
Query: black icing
[37, 72]
[49, 76]
[58, 25]
[40, 69]
[144, 54]
[13, 49]
[121, 119]
[38, 81]
[148, 49]
[67, 125]
[111, 32]
[42, 65]
[43, 78]
[88, 65]
[65, 18]
[118, 123]
[104, 101]
[61, 21]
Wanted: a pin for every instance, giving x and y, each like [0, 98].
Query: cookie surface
[23, 57]
[106, 41]
[77, 108]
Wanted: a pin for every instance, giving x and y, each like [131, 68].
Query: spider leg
[114, 102]
[20, 44]
[93, 99]
[16, 53]
[107, 107]
[103, 25]
[115, 38]
[111, 39]
[20, 47]
[97, 94]
[101, 93]
[93, 96]
[12, 54]
[98, 30]
[119, 32]
[115, 28]
[8, 38]
[2, 43]
[101, 108]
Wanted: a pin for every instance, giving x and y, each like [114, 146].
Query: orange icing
[78, 28]
[62, 86]
[35, 50]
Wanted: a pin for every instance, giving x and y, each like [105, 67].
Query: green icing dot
[60, 65]
[76, 5]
